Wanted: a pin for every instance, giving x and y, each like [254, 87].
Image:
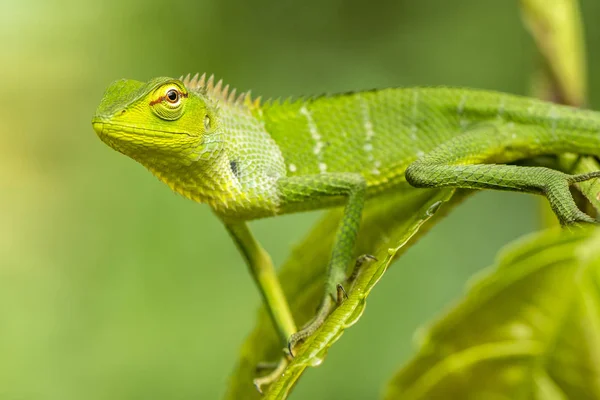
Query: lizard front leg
[300, 192]
[263, 272]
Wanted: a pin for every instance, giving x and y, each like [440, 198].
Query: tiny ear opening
[233, 164]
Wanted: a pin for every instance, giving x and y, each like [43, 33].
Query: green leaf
[557, 29]
[558, 33]
[314, 350]
[530, 329]
[303, 274]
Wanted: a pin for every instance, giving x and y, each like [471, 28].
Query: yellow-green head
[160, 120]
[197, 137]
[170, 129]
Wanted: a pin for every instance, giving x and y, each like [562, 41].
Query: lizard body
[251, 160]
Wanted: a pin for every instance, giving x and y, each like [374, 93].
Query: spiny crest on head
[218, 91]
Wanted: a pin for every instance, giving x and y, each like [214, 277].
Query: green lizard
[251, 160]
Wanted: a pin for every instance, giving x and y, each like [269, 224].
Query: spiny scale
[217, 90]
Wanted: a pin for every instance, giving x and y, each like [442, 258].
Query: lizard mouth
[117, 131]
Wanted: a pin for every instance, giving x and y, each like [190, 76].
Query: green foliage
[558, 33]
[468, 354]
[398, 215]
[529, 330]
[111, 287]
[562, 77]
[313, 351]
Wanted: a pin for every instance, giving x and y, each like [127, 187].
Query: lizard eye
[172, 96]
[207, 123]
[168, 102]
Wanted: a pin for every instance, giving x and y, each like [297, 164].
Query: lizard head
[193, 135]
[159, 123]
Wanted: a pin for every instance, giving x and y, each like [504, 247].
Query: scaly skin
[249, 160]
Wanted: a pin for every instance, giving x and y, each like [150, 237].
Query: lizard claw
[341, 294]
[327, 305]
[310, 328]
[360, 261]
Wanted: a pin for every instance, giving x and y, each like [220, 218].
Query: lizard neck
[236, 167]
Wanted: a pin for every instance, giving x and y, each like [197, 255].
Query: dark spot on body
[234, 168]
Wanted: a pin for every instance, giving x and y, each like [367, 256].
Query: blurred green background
[112, 287]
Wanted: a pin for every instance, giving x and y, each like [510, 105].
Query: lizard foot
[278, 368]
[561, 199]
[327, 306]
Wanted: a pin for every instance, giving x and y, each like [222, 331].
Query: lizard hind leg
[464, 162]
[553, 184]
